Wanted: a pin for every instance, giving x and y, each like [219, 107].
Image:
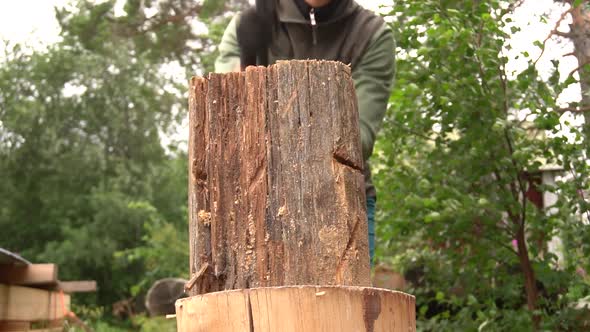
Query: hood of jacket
[288, 11]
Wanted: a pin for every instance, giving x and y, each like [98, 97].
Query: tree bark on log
[276, 190]
[298, 308]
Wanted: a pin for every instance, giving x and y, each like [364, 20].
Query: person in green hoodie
[338, 30]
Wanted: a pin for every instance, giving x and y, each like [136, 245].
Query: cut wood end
[338, 66]
[195, 80]
[363, 308]
[313, 62]
[254, 68]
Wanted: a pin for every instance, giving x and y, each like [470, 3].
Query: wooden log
[276, 191]
[298, 308]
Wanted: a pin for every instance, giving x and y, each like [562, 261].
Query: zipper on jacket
[314, 25]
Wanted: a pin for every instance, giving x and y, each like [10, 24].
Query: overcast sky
[22, 20]
[33, 22]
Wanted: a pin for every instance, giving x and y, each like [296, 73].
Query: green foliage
[165, 253]
[96, 319]
[183, 31]
[82, 165]
[461, 145]
[87, 182]
[156, 324]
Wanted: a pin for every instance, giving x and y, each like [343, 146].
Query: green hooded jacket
[352, 35]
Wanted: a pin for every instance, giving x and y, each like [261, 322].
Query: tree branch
[502, 74]
[573, 109]
[521, 185]
[555, 32]
[155, 22]
[514, 5]
[500, 244]
[514, 193]
[479, 64]
[413, 132]
[563, 34]
[578, 68]
[530, 281]
[573, 172]
[503, 79]
[172, 19]
[528, 272]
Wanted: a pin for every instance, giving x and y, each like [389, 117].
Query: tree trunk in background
[276, 192]
[580, 35]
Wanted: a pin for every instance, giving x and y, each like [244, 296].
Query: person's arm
[229, 50]
[246, 38]
[373, 80]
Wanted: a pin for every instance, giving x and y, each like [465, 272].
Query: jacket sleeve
[229, 51]
[373, 80]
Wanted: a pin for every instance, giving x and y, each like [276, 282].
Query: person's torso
[344, 37]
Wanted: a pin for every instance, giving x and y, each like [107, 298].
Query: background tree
[87, 181]
[95, 180]
[456, 161]
[579, 11]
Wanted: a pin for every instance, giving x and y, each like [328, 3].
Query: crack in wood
[294, 94]
[250, 317]
[291, 101]
[345, 162]
[351, 240]
[259, 175]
